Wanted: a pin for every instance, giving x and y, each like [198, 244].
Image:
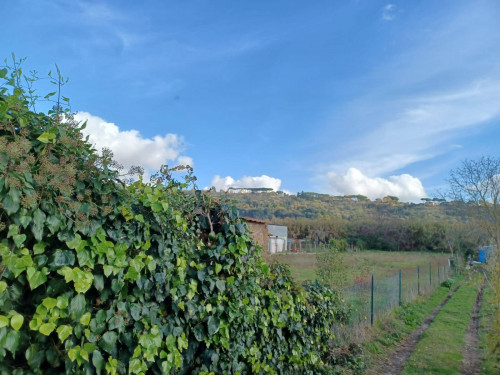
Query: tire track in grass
[439, 350]
[471, 357]
[404, 350]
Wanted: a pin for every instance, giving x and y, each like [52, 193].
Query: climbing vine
[99, 276]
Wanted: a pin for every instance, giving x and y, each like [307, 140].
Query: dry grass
[381, 263]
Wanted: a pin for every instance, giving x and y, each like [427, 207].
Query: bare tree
[477, 184]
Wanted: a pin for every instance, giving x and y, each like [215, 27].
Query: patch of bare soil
[397, 359]
[471, 357]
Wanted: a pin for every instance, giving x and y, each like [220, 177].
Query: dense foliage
[97, 276]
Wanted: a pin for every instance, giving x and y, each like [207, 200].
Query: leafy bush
[447, 283]
[97, 276]
[331, 267]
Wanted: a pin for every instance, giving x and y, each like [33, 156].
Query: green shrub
[97, 276]
[447, 283]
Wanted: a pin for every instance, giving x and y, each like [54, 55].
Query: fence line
[373, 298]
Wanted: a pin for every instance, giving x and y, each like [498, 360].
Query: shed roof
[252, 220]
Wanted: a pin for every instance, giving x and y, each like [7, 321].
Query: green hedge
[98, 276]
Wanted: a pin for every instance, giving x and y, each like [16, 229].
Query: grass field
[381, 263]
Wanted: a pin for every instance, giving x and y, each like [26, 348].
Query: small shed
[273, 238]
[278, 238]
[259, 232]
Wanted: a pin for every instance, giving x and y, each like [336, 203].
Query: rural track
[471, 357]
[398, 358]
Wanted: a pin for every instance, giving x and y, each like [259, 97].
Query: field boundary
[404, 350]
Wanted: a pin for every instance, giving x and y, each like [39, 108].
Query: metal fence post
[371, 315]
[399, 287]
[418, 279]
[430, 274]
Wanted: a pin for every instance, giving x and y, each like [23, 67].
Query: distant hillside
[272, 205]
[388, 225]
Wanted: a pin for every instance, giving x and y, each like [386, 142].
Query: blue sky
[340, 97]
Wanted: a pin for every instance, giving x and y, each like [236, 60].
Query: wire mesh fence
[372, 298]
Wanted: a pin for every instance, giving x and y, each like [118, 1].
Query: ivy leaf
[46, 137]
[218, 268]
[201, 275]
[19, 239]
[64, 331]
[75, 242]
[3, 286]
[108, 270]
[35, 356]
[84, 258]
[62, 302]
[84, 354]
[182, 342]
[4, 321]
[38, 224]
[53, 223]
[47, 328]
[12, 341]
[13, 230]
[221, 285]
[10, 205]
[199, 332]
[213, 325]
[25, 221]
[89, 347]
[63, 258]
[16, 321]
[85, 319]
[84, 282]
[99, 282]
[98, 361]
[35, 278]
[170, 342]
[135, 311]
[49, 302]
[72, 353]
[77, 305]
[39, 248]
[108, 341]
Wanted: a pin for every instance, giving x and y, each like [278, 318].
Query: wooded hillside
[385, 225]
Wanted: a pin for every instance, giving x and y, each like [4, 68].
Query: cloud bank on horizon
[224, 183]
[406, 187]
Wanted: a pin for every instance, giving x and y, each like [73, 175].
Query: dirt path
[397, 359]
[471, 357]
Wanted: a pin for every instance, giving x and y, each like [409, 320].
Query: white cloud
[131, 148]
[185, 160]
[224, 183]
[406, 187]
[388, 13]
